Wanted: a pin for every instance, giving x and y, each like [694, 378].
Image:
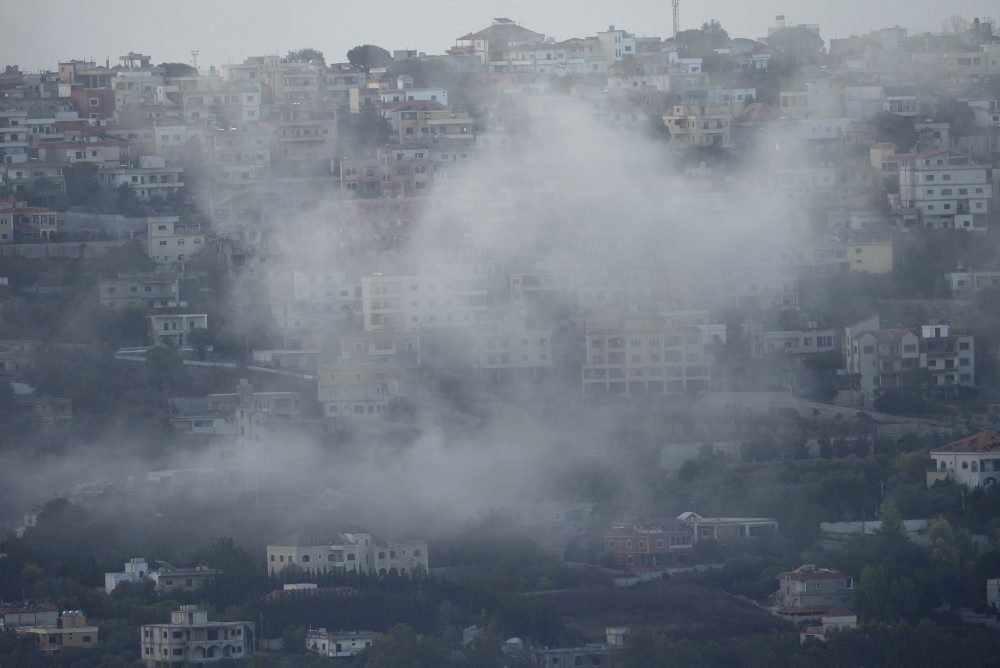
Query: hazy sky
[39, 33]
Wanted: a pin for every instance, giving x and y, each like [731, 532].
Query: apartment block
[155, 290]
[353, 550]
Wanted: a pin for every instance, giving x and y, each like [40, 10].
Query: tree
[880, 596]
[165, 368]
[895, 129]
[400, 648]
[697, 43]
[892, 520]
[82, 184]
[945, 553]
[172, 70]
[293, 639]
[958, 115]
[199, 339]
[304, 55]
[798, 41]
[368, 56]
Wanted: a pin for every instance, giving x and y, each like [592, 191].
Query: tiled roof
[984, 441]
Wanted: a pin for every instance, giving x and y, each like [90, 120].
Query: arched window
[965, 465]
[381, 555]
[305, 558]
[351, 557]
[975, 467]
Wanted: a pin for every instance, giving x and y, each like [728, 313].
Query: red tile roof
[984, 441]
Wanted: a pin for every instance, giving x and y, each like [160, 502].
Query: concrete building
[70, 631]
[802, 343]
[190, 639]
[444, 297]
[962, 280]
[16, 615]
[973, 461]
[699, 125]
[136, 569]
[354, 550]
[809, 590]
[150, 179]
[645, 356]
[351, 390]
[727, 529]
[168, 242]
[946, 189]
[175, 328]
[154, 290]
[650, 545]
[168, 577]
[338, 644]
[949, 358]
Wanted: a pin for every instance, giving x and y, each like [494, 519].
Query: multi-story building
[949, 358]
[150, 179]
[175, 328]
[699, 125]
[21, 222]
[882, 359]
[155, 290]
[488, 44]
[811, 589]
[973, 280]
[338, 644]
[136, 569]
[440, 298]
[354, 550]
[168, 242]
[190, 639]
[352, 390]
[807, 342]
[392, 173]
[645, 357]
[70, 631]
[422, 121]
[946, 189]
[973, 461]
[650, 545]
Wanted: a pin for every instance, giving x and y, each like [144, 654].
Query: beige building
[191, 640]
[973, 461]
[155, 290]
[946, 189]
[71, 631]
[645, 357]
[355, 550]
[421, 121]
[699, 125]
[808, 589]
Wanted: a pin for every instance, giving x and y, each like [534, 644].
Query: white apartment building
[354, 550]
[174, 328]
[337, 644]
[168, 242]
[136, 569]
[616, 44]
[429, 300]
[152, 179]
[947, 190]
[511, 346]
[190, 639]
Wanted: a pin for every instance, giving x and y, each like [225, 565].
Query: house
[190, 639]
[148, 180]
[70, 631]
[699, 125]
[801, 343]
[168, 242]
[973, 461]
[966, 279]
[32, 403]
[727, 529]
[155, 290]
[136, 569]
[837, 618]
[947, 190]
[809, 590]
[337, 644]
[650, 545]
[948, 357]
[353, 550]
[168, 577]
[487, 44]
[174, 328]
[28, 613]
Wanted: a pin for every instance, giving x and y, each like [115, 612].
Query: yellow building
[72, 631]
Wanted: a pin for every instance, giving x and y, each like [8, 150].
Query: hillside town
[618, 350]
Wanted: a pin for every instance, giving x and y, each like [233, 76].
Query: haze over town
[661, 337]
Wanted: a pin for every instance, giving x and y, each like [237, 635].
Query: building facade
[190, 639]
[357, 551]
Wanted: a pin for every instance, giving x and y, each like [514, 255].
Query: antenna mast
[677, 16]
[195, 52]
